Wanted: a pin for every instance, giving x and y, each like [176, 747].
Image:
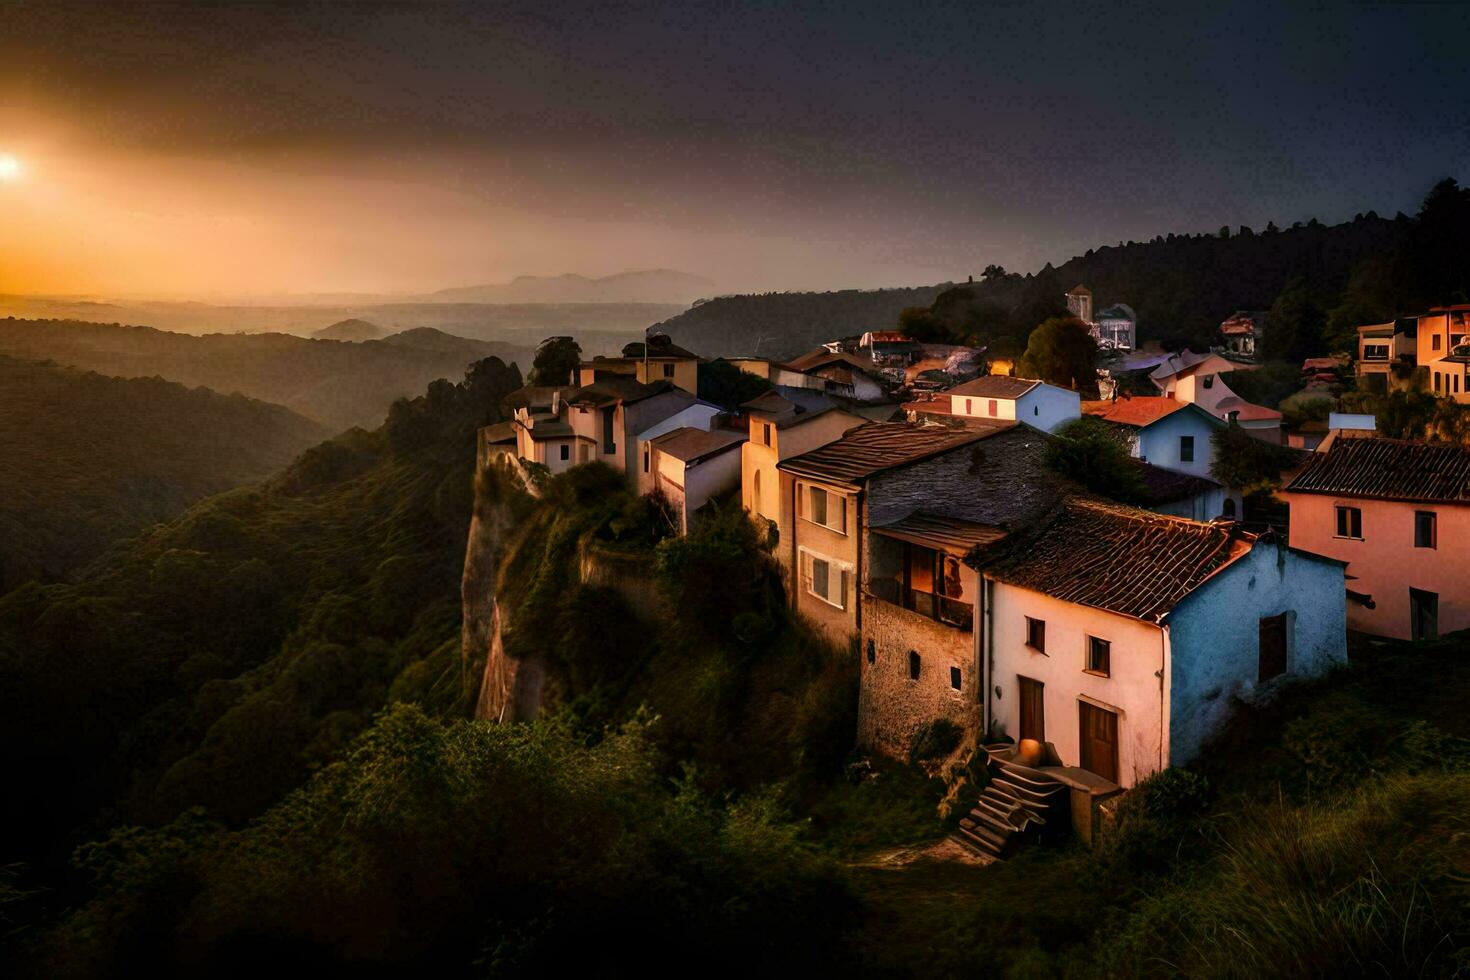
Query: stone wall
[892, 707]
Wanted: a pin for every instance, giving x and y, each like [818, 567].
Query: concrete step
[1022, 792]
[999, 823]
[984, 843]
[1025, 776]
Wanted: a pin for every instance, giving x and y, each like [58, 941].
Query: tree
[727, 386]
[919, 323]
[993, 272]
[1087, 451]
[1245, 463]
[1294, 325]
[556, 361]
[1062, 352]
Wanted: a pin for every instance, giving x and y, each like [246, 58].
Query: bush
[935, 741]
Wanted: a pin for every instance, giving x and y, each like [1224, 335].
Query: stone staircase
[1019, 804]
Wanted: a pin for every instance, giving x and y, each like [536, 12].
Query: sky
[265, 148]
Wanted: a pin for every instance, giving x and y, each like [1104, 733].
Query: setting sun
[10, 168]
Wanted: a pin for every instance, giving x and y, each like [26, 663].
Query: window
[826, 509]
[1375, 352]
[1272, 631]
[1036, 634]
[826, 579]
[1209, 381]
[1228, 509]
[1099, 656]
[1186, 449]
[955, 678]
[766, 433]
[1423, 614]
[913, 665]
[994, 408]
[1035, 409]
[566, 451]
[668, 370]
[872, 652]
[1349, 523]
[1434, 342]
[1436, 380]
[1425, 529]
[968, 409]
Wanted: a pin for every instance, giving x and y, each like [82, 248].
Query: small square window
[1209, 381]
[668, 370]
[1425, 529]
[913, 665]
[1099, 656]
[1036, 634]
[954, 678]
[1349, 522]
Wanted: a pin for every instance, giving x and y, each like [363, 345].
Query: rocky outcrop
[490, 679]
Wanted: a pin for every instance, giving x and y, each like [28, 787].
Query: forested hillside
[337, 383]
[89, 459]
[1181, 286]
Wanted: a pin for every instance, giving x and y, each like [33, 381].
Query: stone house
[1397, 512]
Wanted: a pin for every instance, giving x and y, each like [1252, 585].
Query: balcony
[941, 609]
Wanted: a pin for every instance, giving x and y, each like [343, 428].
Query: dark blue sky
[763, 145]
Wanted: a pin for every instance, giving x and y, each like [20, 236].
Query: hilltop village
[1085, 580]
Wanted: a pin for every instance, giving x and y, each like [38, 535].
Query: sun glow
[10, 168]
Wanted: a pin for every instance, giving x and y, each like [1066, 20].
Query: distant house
[1398, 513]
[867, 383]
[889, 348]
[662, 360]
[1079, 303]
[1036, 403]
[690, 467]
[1121, 639]
[1444, 348]
[1116, 327]
[1173, 434]
[1382, 347]
[1242, 332]
[1195, 378]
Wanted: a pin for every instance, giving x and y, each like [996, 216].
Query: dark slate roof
[634, 351]
[1118, 311]
[951, 534]
[625, 389]
[994, 386]
[691, 445]
[878, 446]
[783, 398]
[1117, 558]
[1165, 486]
[1387, 469]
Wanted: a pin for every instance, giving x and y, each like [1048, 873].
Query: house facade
[1242, 332]
[1397, 513]
[1176, 435]
[691, 467]
[779, 429]
[1120, 639]
[1195, 378]
[660, 359]
[991, 398]
[1384, 346]
[1443, 344]
[1079, 303]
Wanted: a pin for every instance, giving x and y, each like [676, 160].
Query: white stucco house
[1195, 378]
[692, 466]
[1038, 404]
[1162, 431]
[1123, 639]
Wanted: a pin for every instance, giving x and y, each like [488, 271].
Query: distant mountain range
[339, 384]
[647, 286]
[90, 458]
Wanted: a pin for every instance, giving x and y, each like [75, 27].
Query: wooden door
[1423, 614]
[1099, 728]
[1033, 709]
[1272, 645]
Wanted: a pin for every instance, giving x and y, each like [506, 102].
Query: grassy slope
[89, 458]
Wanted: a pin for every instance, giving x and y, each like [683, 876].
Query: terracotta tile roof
[1387, 469]
[1138, 411]
[994, 386]
[1111, 557]
[691, 444]
[878, 446]
[1245, 411]
[950, 534]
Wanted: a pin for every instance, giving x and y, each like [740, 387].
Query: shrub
[935, 741]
